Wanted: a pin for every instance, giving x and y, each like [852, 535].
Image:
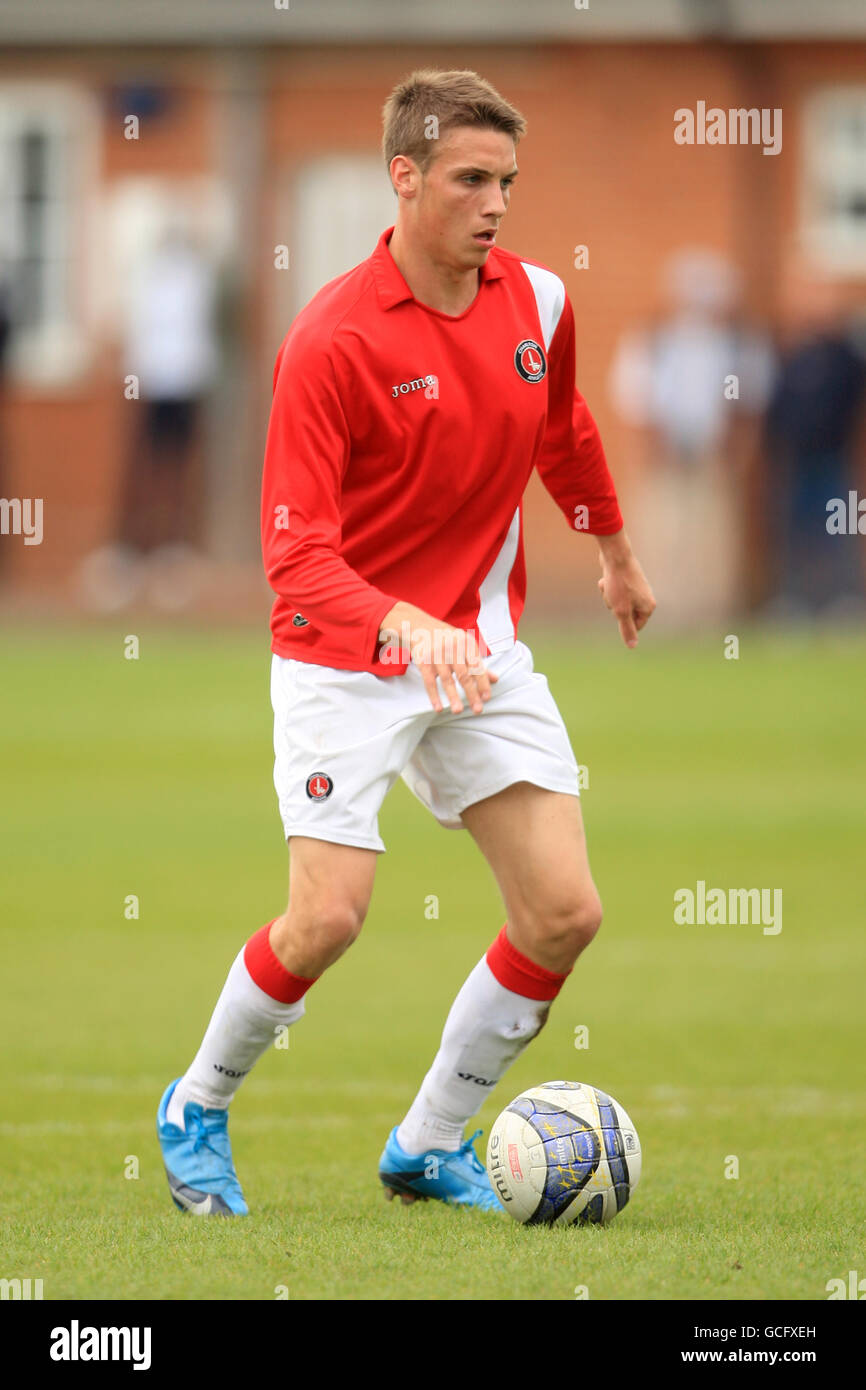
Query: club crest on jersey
[300, 621]
[319, 786]
[529, 360]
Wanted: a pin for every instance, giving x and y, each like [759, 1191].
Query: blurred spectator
[815, 436]
[689, 383]
[172, 350]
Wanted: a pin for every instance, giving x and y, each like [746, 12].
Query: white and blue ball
[563, 1154]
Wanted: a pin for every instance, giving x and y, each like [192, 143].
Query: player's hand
[450, 655]
[442, 654]
[626, 591]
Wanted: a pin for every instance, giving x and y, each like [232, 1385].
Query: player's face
[464, 195]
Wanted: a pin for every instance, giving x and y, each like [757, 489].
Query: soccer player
[413, 397]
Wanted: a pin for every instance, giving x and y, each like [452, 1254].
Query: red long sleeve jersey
[400, 444]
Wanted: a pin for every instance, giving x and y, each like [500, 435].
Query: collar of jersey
[392, 288]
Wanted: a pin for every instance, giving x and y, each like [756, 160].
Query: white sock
[487, 1029]
[244, 1024]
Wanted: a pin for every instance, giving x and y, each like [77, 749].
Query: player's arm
[574, 470]
[306, 453]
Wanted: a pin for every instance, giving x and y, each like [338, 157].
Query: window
[47, 144]
[834, 211]
[331, 216]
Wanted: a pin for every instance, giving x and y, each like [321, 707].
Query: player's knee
[337, 923]
[570, 925]
[589, 919]
[316, 933]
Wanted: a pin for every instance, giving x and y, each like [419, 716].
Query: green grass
[152, 777]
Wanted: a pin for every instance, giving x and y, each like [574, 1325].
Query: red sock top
[521, 975]
[267, 972]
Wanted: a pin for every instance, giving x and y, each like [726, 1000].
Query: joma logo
[428, 384]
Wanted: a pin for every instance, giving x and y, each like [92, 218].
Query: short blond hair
[456, 98]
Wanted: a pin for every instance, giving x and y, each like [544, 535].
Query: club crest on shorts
[529, 360]
[319, 786]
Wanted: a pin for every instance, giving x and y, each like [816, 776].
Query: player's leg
[340, 740]
[330, 886]
[534, 842]
[329, 893]
[511, 778]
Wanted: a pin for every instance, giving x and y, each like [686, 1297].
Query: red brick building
[262, 123]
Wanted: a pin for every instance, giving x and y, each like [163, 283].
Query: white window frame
[55, 350]
[330, 211]
[834, 171]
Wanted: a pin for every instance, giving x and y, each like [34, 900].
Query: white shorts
[342, 738]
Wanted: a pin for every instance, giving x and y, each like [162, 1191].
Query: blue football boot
[456, 1176]
[198, 1160]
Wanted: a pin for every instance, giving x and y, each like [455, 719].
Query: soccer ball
[563, 1154]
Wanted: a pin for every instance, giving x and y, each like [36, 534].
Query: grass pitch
[153, 778]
